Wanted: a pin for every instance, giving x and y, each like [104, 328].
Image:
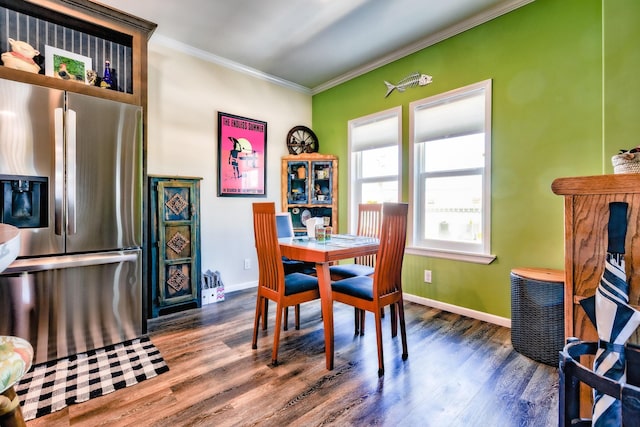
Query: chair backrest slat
[271, 271]
[369, 225]
[369, 219]
[393, 236]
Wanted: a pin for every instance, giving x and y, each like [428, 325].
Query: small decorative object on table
[627, 161]
[311, 224]
[21, 57]
[321, 233]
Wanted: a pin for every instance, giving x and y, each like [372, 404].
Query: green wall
[621, 82]
[546, 63]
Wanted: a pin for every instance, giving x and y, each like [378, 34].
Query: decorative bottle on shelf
[107, 81]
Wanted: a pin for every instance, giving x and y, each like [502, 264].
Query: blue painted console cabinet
[175, 271]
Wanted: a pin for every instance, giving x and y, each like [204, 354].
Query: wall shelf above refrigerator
[84, 28]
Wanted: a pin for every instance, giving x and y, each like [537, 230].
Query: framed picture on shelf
[242, 156]
[66, 65]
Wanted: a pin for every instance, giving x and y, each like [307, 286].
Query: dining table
[323, 254]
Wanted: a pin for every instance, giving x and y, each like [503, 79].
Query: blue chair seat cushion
[357, 286]
[351, 270]
[294, 266]
[295, 283]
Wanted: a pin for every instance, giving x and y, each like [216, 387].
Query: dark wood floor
[460, 372]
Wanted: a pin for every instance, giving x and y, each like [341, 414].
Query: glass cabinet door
[308, 189]
[321, 184]
[297, 188]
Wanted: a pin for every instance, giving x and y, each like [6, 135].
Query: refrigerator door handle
[30, 265]
[71, 171]
[58, 117]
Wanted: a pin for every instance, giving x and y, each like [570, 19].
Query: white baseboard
[485, 317]
[463, 311]
[241, 286]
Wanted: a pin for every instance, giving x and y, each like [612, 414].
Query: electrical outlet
[427, 276]
[247, 264]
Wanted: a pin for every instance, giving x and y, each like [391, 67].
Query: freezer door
[104, 174]
[31, 133]
[65, 305]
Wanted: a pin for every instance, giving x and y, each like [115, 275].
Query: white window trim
[481, 258]
[351, 205]
[451, 255]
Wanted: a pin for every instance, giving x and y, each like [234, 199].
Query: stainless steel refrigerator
[71, 180]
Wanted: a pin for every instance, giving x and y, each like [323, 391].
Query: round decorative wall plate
[306, 214]
[301, 139]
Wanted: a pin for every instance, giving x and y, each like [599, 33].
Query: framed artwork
[66, 65]
[242, 156]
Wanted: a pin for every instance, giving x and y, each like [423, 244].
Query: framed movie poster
[242, 156]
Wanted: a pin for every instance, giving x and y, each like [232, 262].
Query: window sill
[452, 255]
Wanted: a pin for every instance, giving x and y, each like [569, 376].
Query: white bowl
[9, 245]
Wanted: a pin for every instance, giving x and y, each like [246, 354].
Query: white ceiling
[310, 44]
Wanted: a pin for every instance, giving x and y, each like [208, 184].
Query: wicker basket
[626, 163]
[537, 315]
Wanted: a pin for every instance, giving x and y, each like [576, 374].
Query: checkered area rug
[51, 386]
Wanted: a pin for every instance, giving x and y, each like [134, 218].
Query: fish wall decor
[415, 79]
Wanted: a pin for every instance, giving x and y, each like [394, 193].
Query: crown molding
[424, 43]
[449, 32]
[218, 60]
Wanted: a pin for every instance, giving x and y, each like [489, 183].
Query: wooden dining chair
[284, 225]
[285, 290]
[372, 293]
[369, 223]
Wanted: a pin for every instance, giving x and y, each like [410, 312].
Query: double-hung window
[374, 160]
[450, 149]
